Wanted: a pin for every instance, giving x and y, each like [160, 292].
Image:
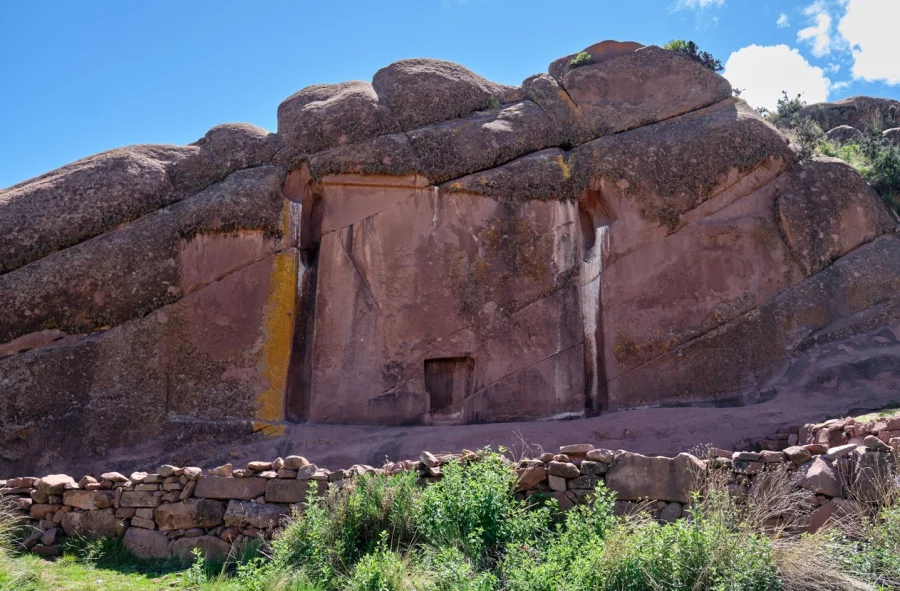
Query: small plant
[473, 509]
[690, 49]
[196, 575]
[808, 136]
[582, 58]
[336, 530]
[385, 570]
[787, 109]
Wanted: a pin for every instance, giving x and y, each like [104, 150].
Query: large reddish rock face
[435, 249]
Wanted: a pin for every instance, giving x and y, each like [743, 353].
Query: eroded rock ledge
[433, 248]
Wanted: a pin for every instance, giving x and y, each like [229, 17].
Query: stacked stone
[171, 512]
[834, 433]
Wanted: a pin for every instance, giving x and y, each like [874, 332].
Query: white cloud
[697, 4]
[818, 34]
[870, 27]
[782, 21]
[763, 72]
[833, 68]
[840, 85]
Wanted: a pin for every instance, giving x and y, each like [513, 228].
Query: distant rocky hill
[432, 249]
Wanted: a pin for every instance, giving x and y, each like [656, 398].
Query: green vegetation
[582, 58]
[469, 532]
[690, 49]
[787, 109]
[872, 155]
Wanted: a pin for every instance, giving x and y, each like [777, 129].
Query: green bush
[690, 49]
[877, 557]
[336, 530]
[787, 109]
[473, 508]
[582, 58]
[876, 159]
[710, 550]
[384, 570]
[807, 134]
[452, 571]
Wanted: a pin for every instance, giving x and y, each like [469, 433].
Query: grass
[888, 412]
[469, 532]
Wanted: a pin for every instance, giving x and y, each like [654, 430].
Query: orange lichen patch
[279, 330]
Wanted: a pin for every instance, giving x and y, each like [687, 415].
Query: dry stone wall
[169, 513]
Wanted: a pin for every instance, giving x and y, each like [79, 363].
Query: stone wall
[170, 512]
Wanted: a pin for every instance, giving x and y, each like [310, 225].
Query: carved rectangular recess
[448, 381]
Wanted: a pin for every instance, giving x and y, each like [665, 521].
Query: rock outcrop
[433, 248]
[863, 113]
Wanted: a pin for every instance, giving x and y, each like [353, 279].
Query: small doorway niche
[448, 382]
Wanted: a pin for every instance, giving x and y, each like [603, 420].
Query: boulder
[843, 134]
[326, 116]
[872, 477]
[211, 548]
[636, 477]
[599, 52]
[260, 516]
[291, 491]
[55, 484]
[190, 513]
[87, 500]
[642, 87]
[893, 135]
[671, 512]
[826, 210]
[91, 524]
[422, 91]
[563, 470]
[864, 113]
[482, 140]
[565, 115]
[529, 478]
[148, 545]
[295, 462]
[218, 487]
[820, 477]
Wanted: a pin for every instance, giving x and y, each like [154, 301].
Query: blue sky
[81, 77]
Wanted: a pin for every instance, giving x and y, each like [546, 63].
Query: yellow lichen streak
[279, 334]
[565, 166]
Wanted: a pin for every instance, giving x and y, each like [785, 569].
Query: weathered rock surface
[217, 487]
[203, 513]
[843, 134]
[861, 112]
[125, 273]
[91, 524]
[434, 248]
[825, 210]
[423, 91]
[330, 115]
[147, 544]
[893, 135]
[634, 477]
[243, 514]
[640, 88]
[210, 547]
